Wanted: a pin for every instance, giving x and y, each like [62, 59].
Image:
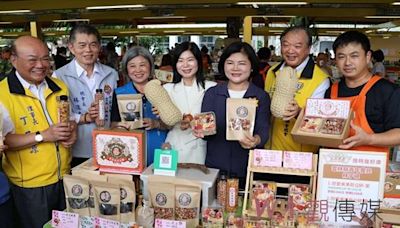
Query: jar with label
[99, 99]
[63, 109]
[232, 185]
[221, 189]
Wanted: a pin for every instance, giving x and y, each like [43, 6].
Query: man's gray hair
[85, 29]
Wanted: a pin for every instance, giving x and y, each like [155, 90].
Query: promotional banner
[350, 185]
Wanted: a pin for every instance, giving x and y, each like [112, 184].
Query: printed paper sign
[327, 108]
[61, 219]
[86, 222]
[163, 223]
[297, 160]
[105, 223]
[267, 158]
[351, 183]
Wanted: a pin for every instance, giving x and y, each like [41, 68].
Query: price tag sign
[165, 162]
[106, 223]
[297, 160]
[163, 223]
[61, 219]
[267, 158]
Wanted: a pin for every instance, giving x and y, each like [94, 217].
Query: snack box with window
[323, 122]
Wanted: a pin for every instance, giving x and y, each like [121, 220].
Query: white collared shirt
[8, 125]
[319, 92]
[300, 67]
[92, 81]
[38, 92]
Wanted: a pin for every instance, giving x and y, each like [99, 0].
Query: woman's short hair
[192, 47]
[135, 52]
[241, 47]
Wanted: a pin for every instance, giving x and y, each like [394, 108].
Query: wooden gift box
[321, 139]
[119, 151]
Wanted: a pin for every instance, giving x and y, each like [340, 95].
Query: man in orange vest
[374, 101]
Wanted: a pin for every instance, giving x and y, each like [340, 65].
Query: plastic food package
[301, 196]
[163, 200]
[240, 117]
[63, 109]
[205, 121]
[213, 217]
[187, 204]
[311, 124]
[130, 109]
[145, 215]
[333, 126]
[76, 195]
[107, 198]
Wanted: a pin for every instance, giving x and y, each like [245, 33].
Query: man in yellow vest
[295, 49]
[374, 100]
[38, 156]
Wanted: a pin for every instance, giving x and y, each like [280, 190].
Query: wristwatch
[38, 137]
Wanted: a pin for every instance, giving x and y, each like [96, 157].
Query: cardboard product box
[119, 151]
[317, 136]
[392, 185]
[86, 166]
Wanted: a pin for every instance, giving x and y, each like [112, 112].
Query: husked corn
[160, 99]
[285, 89]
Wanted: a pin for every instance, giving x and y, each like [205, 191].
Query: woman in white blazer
[187, 91]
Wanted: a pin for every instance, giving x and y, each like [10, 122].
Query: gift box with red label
[119, 151]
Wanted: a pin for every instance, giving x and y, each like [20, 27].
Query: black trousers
[7, 214]
[34, 205]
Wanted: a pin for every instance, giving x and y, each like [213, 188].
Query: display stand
[251, 169]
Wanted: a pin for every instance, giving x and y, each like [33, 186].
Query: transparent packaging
[99, 99]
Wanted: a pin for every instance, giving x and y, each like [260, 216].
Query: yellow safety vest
[42, 164]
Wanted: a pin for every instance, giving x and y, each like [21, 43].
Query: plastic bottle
[63, 109]
[99, 99]
[221, 189]
[232, 193]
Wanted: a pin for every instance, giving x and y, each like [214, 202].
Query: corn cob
[160, 99]
[285, 89]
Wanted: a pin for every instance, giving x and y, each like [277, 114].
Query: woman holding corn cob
[187, 91]
[138, 64]
[238, 63]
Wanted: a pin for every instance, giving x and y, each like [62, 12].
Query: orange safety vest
[358, 107]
